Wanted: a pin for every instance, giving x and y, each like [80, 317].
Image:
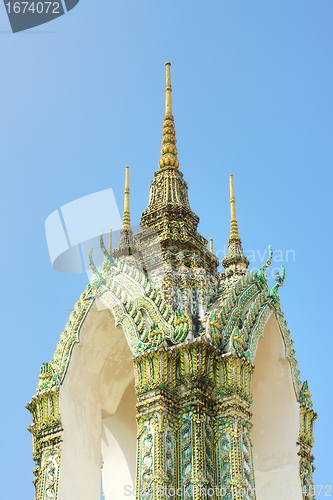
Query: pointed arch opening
[275, 419]
[98, 412]
[119, 448]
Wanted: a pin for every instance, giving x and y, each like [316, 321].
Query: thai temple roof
[168, 270]
[193, 332]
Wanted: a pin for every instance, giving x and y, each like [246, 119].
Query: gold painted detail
[235, 260]
[274, 292]
[168, 211]
[306, 441]
[69, 337]
[193, 421]
[258, 330]
[229, 308]
[192, 367]
[173, 376]
[233, 225]
[127, 215]
[242, 333]
[168, 90]
[233, 376]
[290, 352]
[262, 271]
[170, 215]
[46, 431]
[46, 428]
[233, 446]
[145, 317]
[169, 150]
[127, 247]
[238, 317]
[50, 473]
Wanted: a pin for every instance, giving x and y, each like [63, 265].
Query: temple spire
[126, 245]
[127, 215]
[168, 90]
[235, 258]
[233, 223]
[169, 213]
[169, 150]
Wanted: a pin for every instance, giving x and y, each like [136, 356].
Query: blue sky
[83, 96]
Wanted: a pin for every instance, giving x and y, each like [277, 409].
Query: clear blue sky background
[83, 96]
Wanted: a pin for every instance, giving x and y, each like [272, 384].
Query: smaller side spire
[127, 215]
[235, 258]
[126, 247]
[234, 234]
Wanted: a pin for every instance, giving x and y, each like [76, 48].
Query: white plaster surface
[119, 448]
[100, 371]
[275, 420]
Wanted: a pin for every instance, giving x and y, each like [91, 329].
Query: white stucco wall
[119, 449]
[275, 420]
[100, 371]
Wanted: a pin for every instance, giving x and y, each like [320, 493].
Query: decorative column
[46, 432]
[157, 408]
[305, 442]
[234, 463]
[194, 424]
[196, 415]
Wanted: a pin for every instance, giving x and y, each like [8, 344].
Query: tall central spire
[169, 150]
[169, 211]
[168, 90]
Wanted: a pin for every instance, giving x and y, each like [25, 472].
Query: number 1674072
[33, 7]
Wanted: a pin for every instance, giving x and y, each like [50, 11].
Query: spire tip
[127, 215]
[169, 150]
[235, 257]
[234, 226]
[168, 90]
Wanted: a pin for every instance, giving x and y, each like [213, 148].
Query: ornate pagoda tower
[183, 379]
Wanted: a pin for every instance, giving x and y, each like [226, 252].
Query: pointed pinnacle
[169, 150]
[127, 215]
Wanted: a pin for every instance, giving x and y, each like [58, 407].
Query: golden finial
[211, 245]
[169, 150]
[235, 258]
[233, 223]
[127, 215]
[168, 90]
[110, 241]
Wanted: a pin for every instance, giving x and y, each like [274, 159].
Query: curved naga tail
[262, 271]
[96, 274]
[109, 259]
[274, 292]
